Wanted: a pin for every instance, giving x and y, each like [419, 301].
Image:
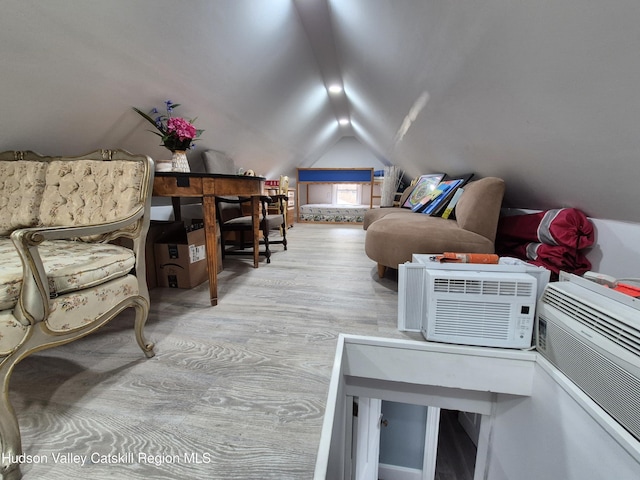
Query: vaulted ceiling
[540, 93]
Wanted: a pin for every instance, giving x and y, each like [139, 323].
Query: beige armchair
[72, 243]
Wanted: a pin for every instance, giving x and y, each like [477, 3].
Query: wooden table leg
[177, 212]
[211, 244]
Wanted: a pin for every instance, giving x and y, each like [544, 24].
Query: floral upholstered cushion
[21, 188]
[11, 332]
[70, 311]
[78, 309]
[69, 265]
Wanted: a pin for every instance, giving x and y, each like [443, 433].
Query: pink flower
[176, 133]
[182, 128]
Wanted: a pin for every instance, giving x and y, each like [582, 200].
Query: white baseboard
[395, 472]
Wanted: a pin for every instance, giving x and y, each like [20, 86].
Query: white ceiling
[540, 93]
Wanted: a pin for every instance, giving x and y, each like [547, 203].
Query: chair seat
[232, 218]
[70, 266]
[272, 222]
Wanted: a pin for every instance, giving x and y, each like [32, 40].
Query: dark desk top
[206, 175]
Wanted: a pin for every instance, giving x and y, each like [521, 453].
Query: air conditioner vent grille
[486, 320]
[606, 324]
[483, 287]
[609, 385]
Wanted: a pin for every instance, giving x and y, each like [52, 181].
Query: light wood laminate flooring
[235, 391]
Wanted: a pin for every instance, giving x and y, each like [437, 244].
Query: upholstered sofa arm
[478, 209]
[33, 304]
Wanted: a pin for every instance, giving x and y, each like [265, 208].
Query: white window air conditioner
[592, 335]
[479, 308]
[491, 316]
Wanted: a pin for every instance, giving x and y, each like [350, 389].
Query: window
[347, 194]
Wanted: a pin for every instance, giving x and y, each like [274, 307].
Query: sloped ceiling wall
[543, 94]
[540, 93]
[74, 68]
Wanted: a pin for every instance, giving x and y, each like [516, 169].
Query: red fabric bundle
[555, 258]
[565, 226]
[552, 239]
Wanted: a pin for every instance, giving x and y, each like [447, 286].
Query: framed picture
[444, 190]
[425, 185]
[438, 209]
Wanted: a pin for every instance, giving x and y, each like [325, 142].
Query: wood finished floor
[235, 391]
[456, 452]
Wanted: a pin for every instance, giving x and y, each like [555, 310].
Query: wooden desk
[207, 186]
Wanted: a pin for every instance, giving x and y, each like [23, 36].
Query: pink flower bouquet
[176, 132]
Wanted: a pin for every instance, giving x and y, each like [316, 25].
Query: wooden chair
[231, 218]
[283, 189]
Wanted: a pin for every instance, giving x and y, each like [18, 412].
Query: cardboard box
[157, 229]
[219, 248]
[180, 256]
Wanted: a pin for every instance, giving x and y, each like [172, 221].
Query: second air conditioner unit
[592, 335]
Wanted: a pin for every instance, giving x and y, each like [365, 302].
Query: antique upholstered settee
[72, 240]
[395, 234]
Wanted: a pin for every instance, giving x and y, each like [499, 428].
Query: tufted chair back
[91, 191]
[45, 192]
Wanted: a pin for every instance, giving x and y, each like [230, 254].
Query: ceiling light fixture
[335, 88]
[343, 121]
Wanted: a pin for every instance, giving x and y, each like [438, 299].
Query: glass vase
[179, 162]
